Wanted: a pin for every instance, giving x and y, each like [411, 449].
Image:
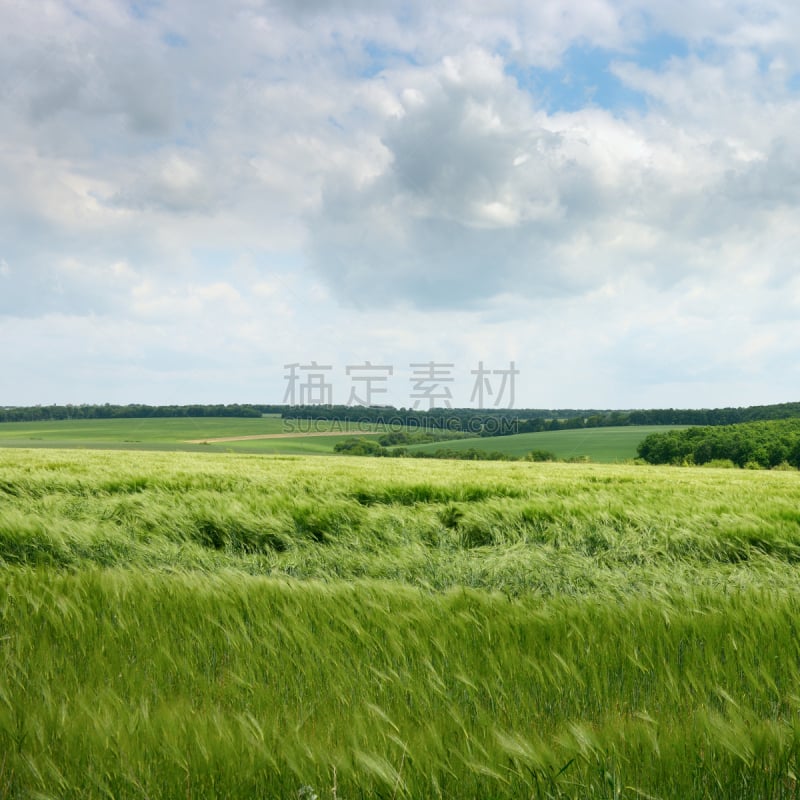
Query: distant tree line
[503, 422]
[468, 421]
[713, 416]
[131, 411]
[388, 414]
[475, 422]
[765, 444]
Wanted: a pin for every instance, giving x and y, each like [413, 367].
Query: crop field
[296, 437]
[187, 434]
[603, 445]
[223, 625]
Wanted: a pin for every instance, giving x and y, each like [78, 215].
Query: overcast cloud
[194, 194]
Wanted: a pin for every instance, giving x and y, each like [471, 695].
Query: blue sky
[584, 78]
[195, 194]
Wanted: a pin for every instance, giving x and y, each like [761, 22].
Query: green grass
[511, 527]
[202, 625]
[129, 684]
[143, 431]
[603, 445]
[174, 434]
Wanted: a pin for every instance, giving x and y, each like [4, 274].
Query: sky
[550, 204]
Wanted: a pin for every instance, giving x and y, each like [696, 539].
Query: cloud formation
[299, 177]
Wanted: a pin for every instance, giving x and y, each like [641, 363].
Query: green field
[176, 433]
[201, 625]
[603, 445]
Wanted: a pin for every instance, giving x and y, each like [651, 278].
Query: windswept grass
[516, 528]
[138, 684]
[235, 626]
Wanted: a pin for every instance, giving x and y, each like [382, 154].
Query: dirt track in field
[273, 436]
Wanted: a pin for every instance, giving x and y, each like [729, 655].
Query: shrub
[358, 447]
[541, 455]
[720, 463]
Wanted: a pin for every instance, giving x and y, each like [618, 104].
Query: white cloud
[483, 191]
[259, 182]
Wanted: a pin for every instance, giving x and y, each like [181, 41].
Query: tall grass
[175, 626]
[515, 528]
[135, 684]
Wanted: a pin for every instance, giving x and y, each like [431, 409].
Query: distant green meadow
[207, 625]
[178, 433]
[602, 445]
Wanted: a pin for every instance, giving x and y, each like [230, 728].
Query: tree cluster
[359, 446]
[765, 444]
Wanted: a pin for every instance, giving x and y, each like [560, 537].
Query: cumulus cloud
[483, 191]
[63, 68]
[300, 173]
[471, 191]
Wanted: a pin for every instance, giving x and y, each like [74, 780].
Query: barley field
[201, 625]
